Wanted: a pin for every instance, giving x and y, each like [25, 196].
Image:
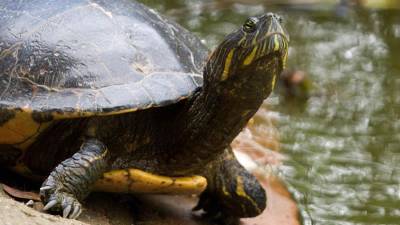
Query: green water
[343, 145]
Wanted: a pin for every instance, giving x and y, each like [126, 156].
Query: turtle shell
[77, 58]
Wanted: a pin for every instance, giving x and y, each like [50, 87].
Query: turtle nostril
[279, 18]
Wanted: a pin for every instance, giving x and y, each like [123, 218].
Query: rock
[13, 213]
[114, 209]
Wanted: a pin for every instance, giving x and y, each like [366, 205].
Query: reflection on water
[342, 147]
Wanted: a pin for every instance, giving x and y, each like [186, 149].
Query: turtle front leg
[232, 192]
[72, 179]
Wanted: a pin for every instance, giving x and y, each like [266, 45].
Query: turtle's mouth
[272, 58]
[277, 46]
[273, 45]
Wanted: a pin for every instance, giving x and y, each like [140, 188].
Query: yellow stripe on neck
[228, 63]
[285, 56]
[250, 57]
[276, 43]
[273, 81]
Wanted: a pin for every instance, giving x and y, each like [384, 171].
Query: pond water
[342, 146]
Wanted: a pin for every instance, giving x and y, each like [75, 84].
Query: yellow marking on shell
[81, 114]
[228, 63]
[21, 130]
[138, 181]
[242, 193]
[250, 57]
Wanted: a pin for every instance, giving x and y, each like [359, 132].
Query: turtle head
[251, 57]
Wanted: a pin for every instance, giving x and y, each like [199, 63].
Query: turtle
[112, 96]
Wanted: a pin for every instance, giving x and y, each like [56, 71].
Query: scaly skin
[231, 191]
[72, 179]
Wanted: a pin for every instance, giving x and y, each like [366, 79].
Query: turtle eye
[250, 25]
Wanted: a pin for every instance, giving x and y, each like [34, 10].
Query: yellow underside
[138, 181]
[21, 130]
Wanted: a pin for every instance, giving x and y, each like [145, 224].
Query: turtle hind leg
[72, 180]
[232, 193]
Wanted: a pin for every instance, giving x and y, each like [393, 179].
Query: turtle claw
[66, 211]
[60, 201]
[77, 211]
[72, 209]
[45, 188]
[50, 205]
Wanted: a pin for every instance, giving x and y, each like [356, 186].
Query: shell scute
[74, 60]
